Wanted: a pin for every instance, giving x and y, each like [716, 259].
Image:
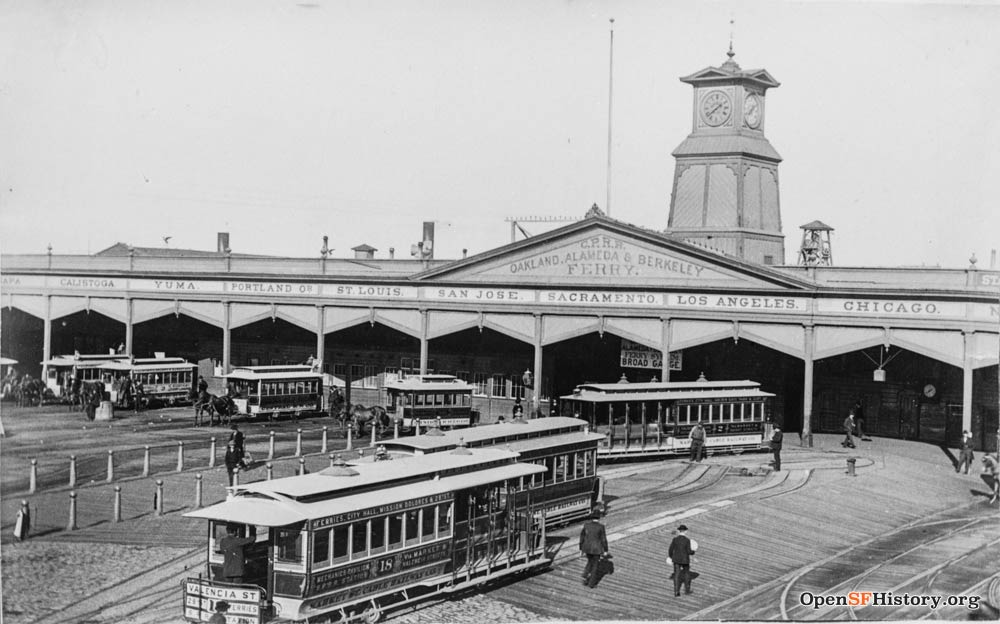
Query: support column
[227, 344]
[807, 385]
[665, 349]
[320, 336]
[128, 326]
[537, 389]
[424, 323]
[47, 337]
[967, 346]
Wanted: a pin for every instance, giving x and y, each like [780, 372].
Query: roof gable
[600, 251]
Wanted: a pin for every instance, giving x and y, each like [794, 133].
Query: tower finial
[731, 54]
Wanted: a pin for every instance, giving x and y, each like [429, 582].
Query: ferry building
[597, 300]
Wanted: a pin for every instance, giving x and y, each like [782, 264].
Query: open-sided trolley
[430, 400]
[656, 418]
[165, 380]
[353, 540]
[62, 372]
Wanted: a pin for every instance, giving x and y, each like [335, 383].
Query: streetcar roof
[588, 396]
[248, 508]
[370, 474]
[275, 368]
[253, 375]
[82, 361]
[664, 386]
[429, 382]
[151, 364]
[497, 431]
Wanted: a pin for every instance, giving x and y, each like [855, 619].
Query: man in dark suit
[680, 553]
[594, 544]
[234, 561]
[776, 437]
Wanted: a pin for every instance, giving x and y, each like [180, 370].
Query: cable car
[429, 400]
[165, 380]
[274, 390]
[62, 371]
[353, 540]
[655, 418]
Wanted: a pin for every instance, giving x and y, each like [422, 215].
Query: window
[444, 520]
[340, 543]
[378, 535]
[427, 516]
[560, 468]
[359, 539]
[412, 527]
[321, 546]
[498, 387]
[288, 546]
[480, 384]
[395, 531]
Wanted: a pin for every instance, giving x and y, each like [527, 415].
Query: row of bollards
[212, 459]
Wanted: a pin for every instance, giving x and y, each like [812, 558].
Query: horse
[364, 419]
[212, 404]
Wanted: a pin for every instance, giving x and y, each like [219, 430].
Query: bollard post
[72, 512]
[33, 477]
[395, 428]
[323, 450]
[180, 456]
[116, 515]
[373, 433]
[197, 491]
[158, 498]
[350, 444]
[270, 471]
[302, 465]
[211, 454]
[111, 465]
[22, 527]
[236, 476]
[850, 466]
[270, 448]
[298, 443]
[145, 461]
[72, 470]
[332, 458]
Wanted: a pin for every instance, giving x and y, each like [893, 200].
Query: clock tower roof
[730, 72]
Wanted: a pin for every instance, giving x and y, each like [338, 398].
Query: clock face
[930, 391]
[751, 110]
[716, 108]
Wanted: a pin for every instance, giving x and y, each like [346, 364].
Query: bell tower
[725, 189]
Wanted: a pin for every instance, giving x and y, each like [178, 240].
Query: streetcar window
[581, 463]
[560, 468]
[288, 546]
[321, 547]
[395, 531]
[444, 520]
[378, 535]
[359, 539]
[549, 475]
[340, 544]
[412, 527]
[427, 524]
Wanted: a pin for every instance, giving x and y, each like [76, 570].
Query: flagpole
[611, 67]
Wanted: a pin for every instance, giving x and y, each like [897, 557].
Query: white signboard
[891, 307]
[481, 295]
[740, 303]
[369, 291]
[597, 297]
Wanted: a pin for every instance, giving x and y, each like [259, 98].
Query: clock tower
[725, 189]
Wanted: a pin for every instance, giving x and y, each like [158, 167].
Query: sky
[283, 121]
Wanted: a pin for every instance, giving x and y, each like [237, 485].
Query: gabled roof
[600, 251]
[729, 72]
[124, 249]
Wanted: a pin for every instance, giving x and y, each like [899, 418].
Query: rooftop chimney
[364, 252]
[392, 253]
[223, 242]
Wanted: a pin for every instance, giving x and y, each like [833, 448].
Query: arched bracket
[736, 332]
[371, 316]
[177, 308]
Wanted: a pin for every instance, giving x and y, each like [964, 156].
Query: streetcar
[352, 541]
[568, 489]
[655, 418]
[62, 372]
[428, 400]
[274, 390]
[164, 380]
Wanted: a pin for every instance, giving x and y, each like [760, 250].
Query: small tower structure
[815, 249]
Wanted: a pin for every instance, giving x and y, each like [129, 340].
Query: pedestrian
[697, 437]
[518, 410]
[234, 558]
[859, 420]
[202, 386]
[849, 430]
[236, 437]
[219, 617]
[679, 554]
[965, 454]
[233, 460]
[593, 544]
[776, 437]
[991, 472]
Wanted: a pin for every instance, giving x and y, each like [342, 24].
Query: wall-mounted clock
[716, 108]
[930, 390]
